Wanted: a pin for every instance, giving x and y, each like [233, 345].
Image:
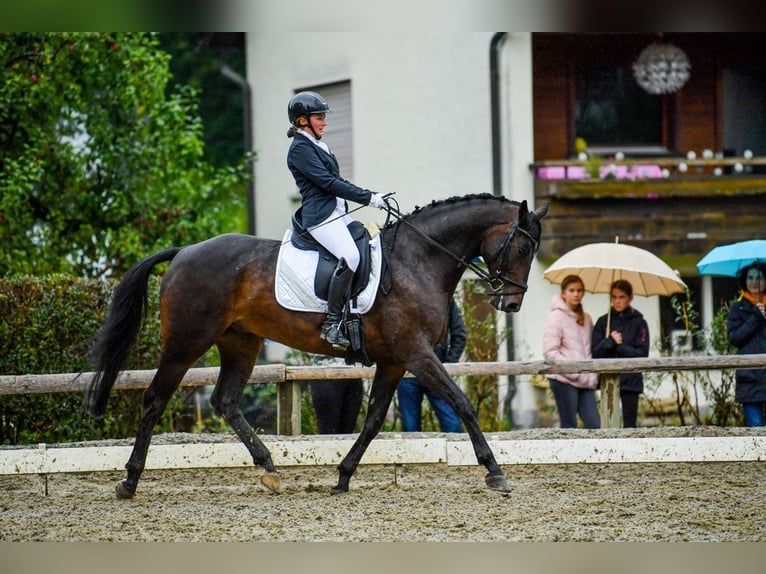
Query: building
[430, 115]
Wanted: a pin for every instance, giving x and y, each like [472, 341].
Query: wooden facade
[682, 215]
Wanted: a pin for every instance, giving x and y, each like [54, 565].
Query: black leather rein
[497, 280]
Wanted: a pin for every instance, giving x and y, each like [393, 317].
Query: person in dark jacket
[628, 336]
[336, 402]
[746, 329]
[324, 211]
[410, 390]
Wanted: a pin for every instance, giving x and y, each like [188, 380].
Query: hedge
[47, 325]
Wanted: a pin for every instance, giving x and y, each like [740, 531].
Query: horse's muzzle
[507, 303]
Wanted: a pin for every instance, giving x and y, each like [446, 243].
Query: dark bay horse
[221, 292]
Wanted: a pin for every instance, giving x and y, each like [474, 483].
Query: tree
[196, 60]
[101, 163]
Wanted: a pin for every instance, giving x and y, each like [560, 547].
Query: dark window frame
[661, 142]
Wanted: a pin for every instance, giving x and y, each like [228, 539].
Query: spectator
[336, 402]
[410, 391]
[628, 337]
[746, 329]
[567, 336]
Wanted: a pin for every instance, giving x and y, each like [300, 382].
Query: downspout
[494, 92]
[495, 45]
[248, 133]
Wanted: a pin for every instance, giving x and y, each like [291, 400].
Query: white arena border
[390, 448]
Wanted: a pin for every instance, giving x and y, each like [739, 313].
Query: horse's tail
[119, 331]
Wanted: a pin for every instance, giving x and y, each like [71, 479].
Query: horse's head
[508, 250]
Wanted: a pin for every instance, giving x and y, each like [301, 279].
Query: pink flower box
[557, 172]
[608, 170]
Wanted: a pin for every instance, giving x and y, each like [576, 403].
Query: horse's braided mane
[451, 200]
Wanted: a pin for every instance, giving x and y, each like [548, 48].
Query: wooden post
[289, 408]
[611, 413]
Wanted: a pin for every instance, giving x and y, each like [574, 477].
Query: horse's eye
[523, 250]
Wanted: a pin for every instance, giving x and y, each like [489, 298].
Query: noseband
[498, 279]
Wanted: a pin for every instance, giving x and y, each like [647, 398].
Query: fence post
[289, 408]
[611, 413]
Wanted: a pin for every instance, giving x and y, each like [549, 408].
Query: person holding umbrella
[746, 329]
[567, 336]
[599, 265]
[621, 333]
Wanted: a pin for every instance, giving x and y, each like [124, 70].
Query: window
[612, 112]
[338, 135]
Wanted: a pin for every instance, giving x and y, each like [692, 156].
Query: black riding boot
[337, 295]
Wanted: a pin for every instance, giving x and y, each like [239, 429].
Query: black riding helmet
[305, 104]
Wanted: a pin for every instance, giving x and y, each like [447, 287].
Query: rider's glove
[376, 200]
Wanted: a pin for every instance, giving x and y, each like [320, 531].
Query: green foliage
[725, 410]
[196, 60]
[482, 343]
[101, 162]
[717, 387]
[47, 326]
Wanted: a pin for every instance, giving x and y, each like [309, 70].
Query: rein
[496, 281]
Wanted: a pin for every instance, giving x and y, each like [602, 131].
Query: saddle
[302, 239]
[353, 323]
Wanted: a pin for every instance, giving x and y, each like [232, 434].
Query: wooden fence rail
[289, 378]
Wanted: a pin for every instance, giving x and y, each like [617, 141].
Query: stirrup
[332, 333]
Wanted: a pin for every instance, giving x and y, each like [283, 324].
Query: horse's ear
[522, 215]
[541, 212]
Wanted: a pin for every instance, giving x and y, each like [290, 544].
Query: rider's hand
[376, 200]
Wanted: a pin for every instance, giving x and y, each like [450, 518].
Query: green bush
[717, 389]
[47, 326]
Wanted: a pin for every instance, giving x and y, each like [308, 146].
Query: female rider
[324, 211]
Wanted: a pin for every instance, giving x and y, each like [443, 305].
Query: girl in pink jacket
[567, 336]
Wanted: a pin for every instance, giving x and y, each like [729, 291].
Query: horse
[221, 292]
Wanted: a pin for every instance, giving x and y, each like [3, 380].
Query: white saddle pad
[294, 283]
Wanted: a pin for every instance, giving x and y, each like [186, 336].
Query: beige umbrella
[599, 264]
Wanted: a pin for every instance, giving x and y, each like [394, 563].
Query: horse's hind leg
[238, 353]
[155, 399]
[381, 393]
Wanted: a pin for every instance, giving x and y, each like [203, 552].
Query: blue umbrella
[727, 260]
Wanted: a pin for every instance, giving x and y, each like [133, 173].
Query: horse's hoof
[497, 482]
[123, 492]
[338, 490]
[272, 481]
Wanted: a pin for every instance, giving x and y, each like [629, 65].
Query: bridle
[497, 280]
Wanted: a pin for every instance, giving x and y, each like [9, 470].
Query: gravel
[722, 501]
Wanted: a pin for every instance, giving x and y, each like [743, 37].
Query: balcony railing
[678, 208]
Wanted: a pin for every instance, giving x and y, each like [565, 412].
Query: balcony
[676, 208]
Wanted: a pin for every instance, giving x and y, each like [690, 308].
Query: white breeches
[333, 234]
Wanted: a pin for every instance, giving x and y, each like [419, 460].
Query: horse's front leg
[383, 386]
[433, 375]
